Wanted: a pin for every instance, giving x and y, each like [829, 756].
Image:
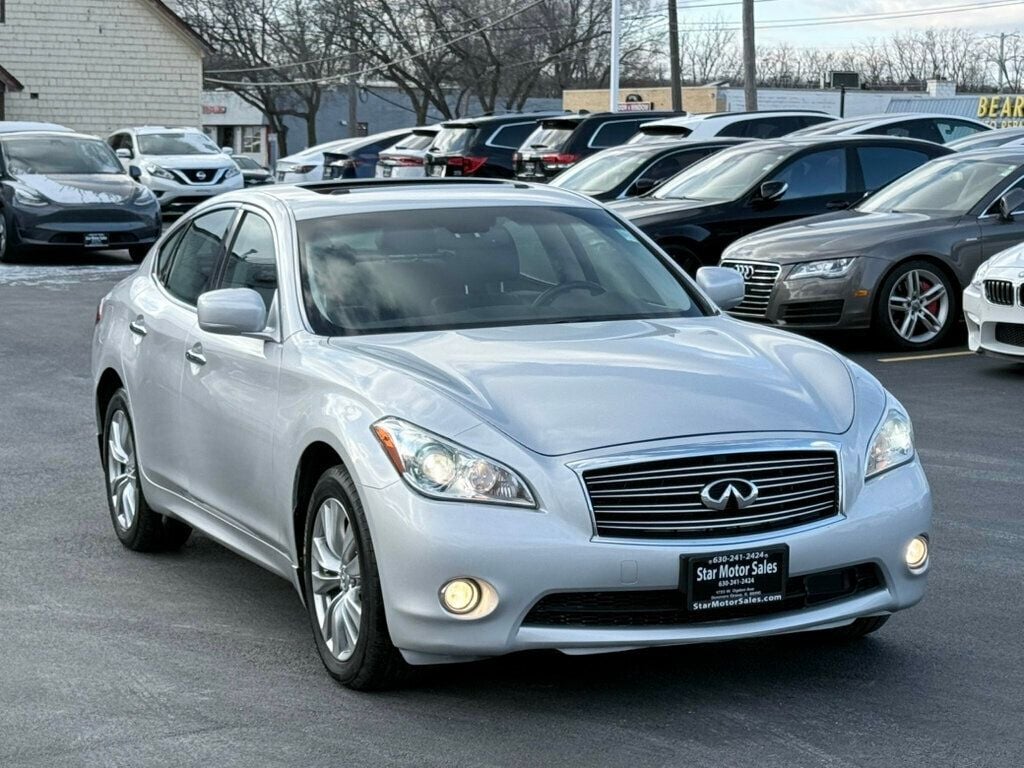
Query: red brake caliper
[934, 306]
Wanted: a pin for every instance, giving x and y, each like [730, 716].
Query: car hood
[846, 232]
[564, 388]
[651, 207]
[1011, 258]
[81, 189]
[191, 161]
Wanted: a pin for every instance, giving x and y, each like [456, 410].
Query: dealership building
[99, 65]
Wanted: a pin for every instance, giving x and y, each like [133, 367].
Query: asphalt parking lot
[199, 658]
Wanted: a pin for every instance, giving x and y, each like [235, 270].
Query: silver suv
[469, 418]
[182, 166]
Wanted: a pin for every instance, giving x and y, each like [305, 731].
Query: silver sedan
[466, 419]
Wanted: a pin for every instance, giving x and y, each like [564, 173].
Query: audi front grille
[999, 292]
[759, 280]
[662, 499]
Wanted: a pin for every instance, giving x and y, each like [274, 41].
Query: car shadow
[72, 258]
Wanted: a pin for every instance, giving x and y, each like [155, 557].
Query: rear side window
[880, 165]
[912, 129]
[195, 259]
[251, 261]
[549, 135]
[613, 133]
[511, 136]
[765, 127]
[815, 175]
[454, 140]
[951, 130]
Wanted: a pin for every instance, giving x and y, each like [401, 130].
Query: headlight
[143, 196]
[979, 275]
[155, 170]
[27, 196]
[828, 268]
[892, 445]
[442, 469]
[230, 173]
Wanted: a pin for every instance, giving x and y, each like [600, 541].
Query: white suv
[182, 166]
[766, 124]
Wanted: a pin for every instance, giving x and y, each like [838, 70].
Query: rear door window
[815, 175]
[251, 261]
[511, 136]
[880, 165]
[912, 129]
[616, 132]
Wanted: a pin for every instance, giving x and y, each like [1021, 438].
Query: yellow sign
[999, 109]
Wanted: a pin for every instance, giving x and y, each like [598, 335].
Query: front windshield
[950, 186]
[418, 270]
[601, 172]
[723, 176]
[177, 143]
[28, 155]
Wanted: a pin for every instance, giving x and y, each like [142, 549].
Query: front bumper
[818, 303]
[176, 197]
[983, 318]
[528, 554]
[63, 226]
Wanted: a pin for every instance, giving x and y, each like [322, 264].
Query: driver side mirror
[135, 172]
[123, 153]
[770, 191]
[643, 186]
[232, 312]
[228, 150]
[1009, 203]
[723, 285]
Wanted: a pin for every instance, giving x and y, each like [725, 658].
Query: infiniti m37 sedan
[469, 418]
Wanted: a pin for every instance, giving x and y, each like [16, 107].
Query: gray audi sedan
[897, 262]
[465, 418]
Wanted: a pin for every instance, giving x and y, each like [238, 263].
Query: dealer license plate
[753, 577]
[95, 240]
[435, 170]
[385, 171]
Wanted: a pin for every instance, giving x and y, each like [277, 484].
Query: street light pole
[673, 55]
[353, 91]
[613, 75]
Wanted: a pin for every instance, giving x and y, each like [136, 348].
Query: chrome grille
[662, 499]
[999, 292]
[759, 281]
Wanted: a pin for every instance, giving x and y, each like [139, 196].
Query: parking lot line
[934, 356]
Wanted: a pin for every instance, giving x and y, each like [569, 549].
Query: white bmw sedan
[994, 306]
[465, 419]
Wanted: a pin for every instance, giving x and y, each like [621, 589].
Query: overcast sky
[1006, 18]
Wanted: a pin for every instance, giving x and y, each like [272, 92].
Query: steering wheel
[555, 291]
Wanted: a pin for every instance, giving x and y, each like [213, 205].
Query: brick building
[98, 65]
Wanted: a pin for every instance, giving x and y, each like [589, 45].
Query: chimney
[941, 88]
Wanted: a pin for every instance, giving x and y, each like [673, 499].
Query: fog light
[460, 595]
[916, 554]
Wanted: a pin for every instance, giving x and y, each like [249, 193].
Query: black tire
[685, 258]
[137, 253]
[375, 663]
[858, 629]
[8, 249]
[149, 530]
[882, 323]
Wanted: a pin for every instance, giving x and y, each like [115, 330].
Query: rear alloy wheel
[916, 306]
[138, 527]
[342, 588]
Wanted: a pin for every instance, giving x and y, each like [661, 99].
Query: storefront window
[252, 139]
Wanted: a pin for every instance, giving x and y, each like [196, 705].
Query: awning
[9, 81]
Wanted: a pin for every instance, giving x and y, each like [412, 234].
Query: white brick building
[98, 65]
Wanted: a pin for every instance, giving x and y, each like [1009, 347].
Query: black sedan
[741, 190]
[253, 173]
[896, 263]
[636, 169]
[65, 190]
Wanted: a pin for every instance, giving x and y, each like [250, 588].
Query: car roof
[733, 116]
[319, 199]
[581, 117]
[20, 126]
[678, 144]
[65, 133]
[871, 121]
[510, 117]
[845, 140]
[1012, 154]
[144, 129]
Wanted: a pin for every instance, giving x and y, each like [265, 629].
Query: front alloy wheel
[916, 306]
[334, 575]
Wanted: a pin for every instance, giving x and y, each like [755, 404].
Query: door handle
[195, 354]
[138, 327]
[837, 205]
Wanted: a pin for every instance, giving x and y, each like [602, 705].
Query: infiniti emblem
[729, 493]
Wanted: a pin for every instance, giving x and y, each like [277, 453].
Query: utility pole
[1001, 61]
[353, 91]
[673, 55]
[749, 60]
[613, 74]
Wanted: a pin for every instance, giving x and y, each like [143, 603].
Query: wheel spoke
[128, 499]
[333, 518]
[348, 545]
[351, 611]
[339, 633]
[324, 558]
[931, 322]
[899, 303]
[908, 325]
[934, 293]
[915, 283]
[330, 622]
